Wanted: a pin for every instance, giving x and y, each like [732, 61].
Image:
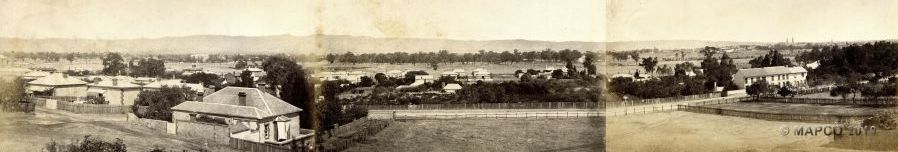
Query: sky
[551, 20]
[752, 20]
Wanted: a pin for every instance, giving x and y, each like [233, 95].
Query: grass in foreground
[579, 134]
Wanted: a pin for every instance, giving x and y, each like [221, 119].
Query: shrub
[88, 144]
[880, 121]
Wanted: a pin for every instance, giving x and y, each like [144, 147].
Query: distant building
[394, 74]
[34, 75]
[251, 115]
[192, 70]
[58, 84]
[198, 88]
[481, 75]
[451, 88]
[778, 75]
[115, 91]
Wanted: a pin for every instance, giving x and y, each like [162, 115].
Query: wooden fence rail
[533, 105]
[257, 147]
[827, 101]
[814, 118]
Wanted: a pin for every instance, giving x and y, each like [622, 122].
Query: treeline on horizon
[444, 56]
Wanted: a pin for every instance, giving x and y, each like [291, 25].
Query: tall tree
[289, 80]
[649, 64]
[113, 64]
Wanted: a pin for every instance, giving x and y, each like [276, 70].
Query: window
[267, 130]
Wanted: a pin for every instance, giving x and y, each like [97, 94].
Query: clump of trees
[759, 88]
[444, 56]
[88, 144]
[869, 61]
[114, 64]
[771, 59]
[664, 86]
[147, 68]
[158, 103]
[718, 72]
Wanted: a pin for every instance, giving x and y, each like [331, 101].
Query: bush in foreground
[88, 144]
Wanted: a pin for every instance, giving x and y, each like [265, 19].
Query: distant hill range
[211, 44]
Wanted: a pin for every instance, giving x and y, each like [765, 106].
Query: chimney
[114, 81]
[241, 99]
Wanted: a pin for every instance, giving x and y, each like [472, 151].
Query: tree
[664, 70]
[159, 102]
[682, 68]
[113, 64]
[410, 76]
[634, 56]
[785, 92]
[433, 64]
[842, 91]
[366, 81]
[246, 79]
[288, 80]
[649, 64]
[330, 58]
[558, 74]
[571, 70]
[772, 58]
[240, 65]
[758, 88]
[588, 63]
[70, 57]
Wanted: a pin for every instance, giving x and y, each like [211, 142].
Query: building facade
[777, 76]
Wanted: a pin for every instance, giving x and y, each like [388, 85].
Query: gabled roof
[226, 102]
[57, 79]
[767, 71]
[452, 86]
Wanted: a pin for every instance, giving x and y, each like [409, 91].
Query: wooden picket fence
[367, 128]
[92, 108]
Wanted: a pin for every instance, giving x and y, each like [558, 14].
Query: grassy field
[31, 132]
[685, 131]
[488, 135]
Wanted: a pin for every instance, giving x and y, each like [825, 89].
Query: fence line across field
[827, 101]
[504, 115]
[529, 105]
[815, 118]
[670, 107]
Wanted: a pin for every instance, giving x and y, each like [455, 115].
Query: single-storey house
[58, 84]
[451, 88]
[115, 91]
[251, 114]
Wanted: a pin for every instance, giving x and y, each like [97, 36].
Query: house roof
[36, 74]
[452, 86]
[226, 102]
[766, 71]
[110, 83]
[175, 83]
[57, 79]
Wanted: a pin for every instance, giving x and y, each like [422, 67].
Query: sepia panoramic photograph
[448, 75]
